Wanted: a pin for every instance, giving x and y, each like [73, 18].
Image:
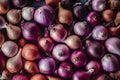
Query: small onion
[61, 52]
[9, 48]
[38, 77]
[113, 45]
[20, 3]
[2, 38]
[65, 70]
[30, 31]
[109, 63]
[78, 58]
[2, 23]
[58, 33]
[30, 52]
[20, 77]
[14, 16]
[99, 33]
[47, 65]
[27, 13]
[44, 15]
[103, 77]
[2, 61]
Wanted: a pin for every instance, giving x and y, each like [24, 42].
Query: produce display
[59, 39]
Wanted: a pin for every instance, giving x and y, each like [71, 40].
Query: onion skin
[115, 75]
[19, 3]
[2, 38]
[53, 3]
[14, 16]
[53, 78]
[112, 44]
[117, 19]
[4, 6]
[22, 42]
[78, 58]
[20, 77]
[47, 65]
[30, 52]
[109, 63]
[114, 4]
[103, 77]
[2, 23]
[6, 75]
[114, 31]
[38, 77]
[44, 15]
[2, 61]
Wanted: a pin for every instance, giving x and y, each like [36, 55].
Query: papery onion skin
[30, 52]
[58, 33]
[2, 61]
[61, 52]
[30, 31]
[6, 75]
[44, 15]
[115, 75]
[99, 32]
[65, 70]
[9, 48]
[112, 44]
[114, 5]
[19, 3]
[117, 19]
[110, 63]
[78, 58]
[38, 77]
[2, 38]
[2, 23]
[20, 77]
[47, 65]
[53, 3]
[103, 77]
[114, 31]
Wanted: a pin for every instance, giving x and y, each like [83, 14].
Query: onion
[13, 32]
[53, 3]
[73, 42]
[78, 58]
[31, 67]
[114, 31]
[61, 52]
[4, 6]
[113, 45]
[93, 65]
[114, 4]
[20, 77]
[47, 65]
[14, 16]
[103, 77]
[6, 75]
[27, 13]
[22, 42]
[2, 61]
[38, 77]
[44, 15]
[58, 33]
[117, 19]
[99, 33]
[30, 31]
[65, 70]
[115, 75]
[98, 5]
[81, 28]
[14, 64]
[53, 78]
[9, 48]
[30, 52]
[95, 49]
[2, 38]
[46, 44]
[109, 63]
[108, 15]
[93, 18]
[19, 3]
[2, 23]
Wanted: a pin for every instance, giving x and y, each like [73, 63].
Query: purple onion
[103, 77]
[99, 33]
[61, 52]
[47, 65]
[78, 58]
[113, 45]
[44, 15]
[93, 18]
[65, 70]
[30, 31]
[109, 63]
[2, 61]
[20, 77]
[20, 3]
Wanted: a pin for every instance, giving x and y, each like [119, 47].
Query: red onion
[58, 33]
[2, 38]
[47, 65]
[98, 5]
[103, 77]
[53, 3]
[114, 31]
[95, 49]
[61, 52]
[78, 58]
[44, 15]
[65, 70]
[2, 61]
[81, 28]
[30, 52]
[115, 75]
[9, 48]
[73, 42]
[6, 75]
[20, 77]
[117, 19]
[53, 78]
[93, 18]
[30, 31]
[93, 65]
[20, 3]
[99, 33]
[113, 45]
[2, 23]
[38, 77]
[109, 63]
